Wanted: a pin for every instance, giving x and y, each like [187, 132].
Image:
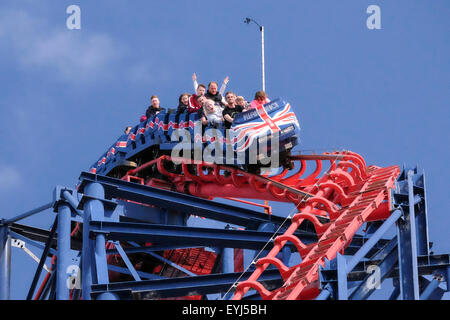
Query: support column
[228, 258]
[87, 258]
[407, 248]
[94, 262]
[422, 221]
[341, 263]
[5, 263]
[63, 258]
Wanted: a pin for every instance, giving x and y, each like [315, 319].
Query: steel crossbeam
[115, 188]
[193, 236]
[172, 287]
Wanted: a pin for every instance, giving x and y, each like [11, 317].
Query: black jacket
[217, 98]
[151, 111]
[182, 108]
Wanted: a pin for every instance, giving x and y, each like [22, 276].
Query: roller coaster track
[337, 203]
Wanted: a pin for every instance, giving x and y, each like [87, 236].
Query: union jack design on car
[269, 119]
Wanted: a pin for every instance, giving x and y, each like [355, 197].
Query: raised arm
[194, 80]
[224, 85]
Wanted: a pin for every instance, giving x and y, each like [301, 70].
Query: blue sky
[66, 95]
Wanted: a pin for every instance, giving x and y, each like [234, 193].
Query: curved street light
[261, 28]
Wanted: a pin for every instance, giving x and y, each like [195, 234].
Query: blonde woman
[212, 113]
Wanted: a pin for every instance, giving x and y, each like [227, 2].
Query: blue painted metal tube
[73, 202]
[228, 260]
[63, 258]
[447, 278]
[28, 213]
[143, 275]
[429, 289]
[100, 259]
[341, 263]
[175, 287]
[44, 255]
[94, 258]
[173, 264]
[422, 221]
[325, 293]
[190, 235]
[373, 240]
[87, 260]
[407, 248]
[127, 261]
[395, 293]
[5, 263]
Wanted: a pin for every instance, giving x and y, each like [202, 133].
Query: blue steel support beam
[373, 240]
[344, 267]
[28, 213]
[176, 287]
[86, 254]
[127, 261]
[94, 255]
[389, 259]
[72, 201]
[342, 287]
[44, 255]
[228, 260]
[173, 264]
[143, 275]
[5, 262]
[63, 258]
[325, 293]
[430, 289]
[447, 277]
[170, 200]
[422, 217]
[407, 250]
[185, 235]
[395, 293]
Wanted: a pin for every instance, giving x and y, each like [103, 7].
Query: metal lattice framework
[141, 237]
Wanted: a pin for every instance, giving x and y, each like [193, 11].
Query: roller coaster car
[255, 137]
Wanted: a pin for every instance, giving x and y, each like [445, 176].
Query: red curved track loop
[347, 195]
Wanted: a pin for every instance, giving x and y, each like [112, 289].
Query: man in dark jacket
[154, 108]
[231, 109]
[214, 94]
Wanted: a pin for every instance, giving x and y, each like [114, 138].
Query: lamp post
[261, 28]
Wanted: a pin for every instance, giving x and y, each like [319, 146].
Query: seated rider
[154, 108]
[240, 101]
[260, 99]
[193, 104]
[212, 113]
[183, 103]
[231, 109]
[214, 95]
